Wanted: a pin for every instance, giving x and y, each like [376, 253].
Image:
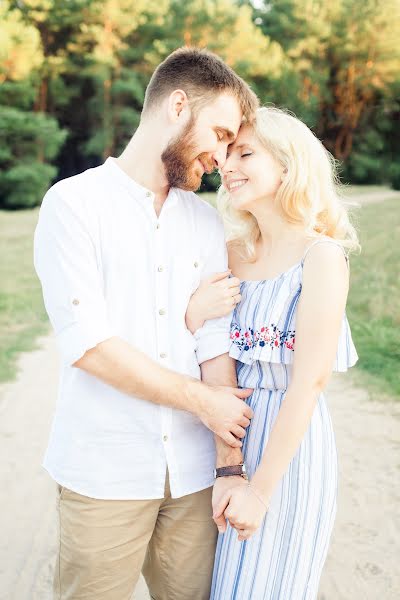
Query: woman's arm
[318, 322]
[215, 297]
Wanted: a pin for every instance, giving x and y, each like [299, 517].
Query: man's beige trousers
[105, 544]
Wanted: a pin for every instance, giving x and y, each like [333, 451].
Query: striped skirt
[283, 560]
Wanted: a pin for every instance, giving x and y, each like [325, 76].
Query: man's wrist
[225, 459]
[194, 395]
[226, 455]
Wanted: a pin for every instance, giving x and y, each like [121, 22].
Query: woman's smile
[236, 184]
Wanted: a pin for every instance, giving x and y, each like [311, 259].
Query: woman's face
[250, 173]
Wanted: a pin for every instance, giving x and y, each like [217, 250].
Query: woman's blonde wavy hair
[310, 193]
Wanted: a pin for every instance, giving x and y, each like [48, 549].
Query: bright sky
[261, 4]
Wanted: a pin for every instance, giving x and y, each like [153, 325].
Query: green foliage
[20, 48]
[81, 68]
[366, 164]
[23, 186]
[27, 141]
[341, 75]
[29, 133]
[19, 94]
[394, 176]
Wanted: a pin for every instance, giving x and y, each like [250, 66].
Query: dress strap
[324, 241]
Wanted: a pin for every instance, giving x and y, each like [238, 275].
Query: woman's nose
[228, 166]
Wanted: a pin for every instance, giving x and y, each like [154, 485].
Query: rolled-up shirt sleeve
[213, 339]
[66, 264]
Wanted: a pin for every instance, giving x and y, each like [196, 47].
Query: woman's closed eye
[246, 154]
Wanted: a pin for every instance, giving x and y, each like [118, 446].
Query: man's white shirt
[109, 267]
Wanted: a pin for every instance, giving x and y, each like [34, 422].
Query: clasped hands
[234, 500]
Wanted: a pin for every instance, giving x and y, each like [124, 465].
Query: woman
[288, 240]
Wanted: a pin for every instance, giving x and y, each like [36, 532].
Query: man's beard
[180, 167]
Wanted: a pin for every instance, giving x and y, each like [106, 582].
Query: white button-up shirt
[110, 267]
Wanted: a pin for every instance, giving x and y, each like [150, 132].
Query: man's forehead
[226, 114]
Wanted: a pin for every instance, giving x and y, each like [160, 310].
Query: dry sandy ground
[364, 555]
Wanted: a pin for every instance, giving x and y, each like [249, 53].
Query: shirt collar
[140, 193]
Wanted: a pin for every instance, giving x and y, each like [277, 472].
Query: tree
[363, 57]
[28, 140]
[344, 59]
[84, 65]
[118, 89]
[23, 178]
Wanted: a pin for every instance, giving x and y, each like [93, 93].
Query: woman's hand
[215, 297]
[244, 507]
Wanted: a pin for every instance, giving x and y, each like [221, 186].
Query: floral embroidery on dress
[266, 336]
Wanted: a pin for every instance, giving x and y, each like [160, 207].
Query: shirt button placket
[162, 320]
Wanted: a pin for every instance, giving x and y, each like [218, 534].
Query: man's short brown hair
[202, 75]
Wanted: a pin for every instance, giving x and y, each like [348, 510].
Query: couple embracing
[191, 439]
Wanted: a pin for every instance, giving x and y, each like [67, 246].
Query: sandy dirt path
[363, 558]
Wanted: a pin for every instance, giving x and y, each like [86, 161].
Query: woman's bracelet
[250, 487]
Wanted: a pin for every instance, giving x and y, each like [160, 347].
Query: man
[119, 250]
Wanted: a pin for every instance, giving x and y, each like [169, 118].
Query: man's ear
[177, 102]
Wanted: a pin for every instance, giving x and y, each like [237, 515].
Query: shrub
[394, 176]
[24, 185]
[28, 142]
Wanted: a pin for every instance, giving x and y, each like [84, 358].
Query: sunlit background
[72, 80]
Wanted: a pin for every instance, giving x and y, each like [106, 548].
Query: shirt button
[162, 311]
[75, 301]
[160, 269]
[158, 226]
[196, 264]
[165, 438]
[148, 194]
[163, 355]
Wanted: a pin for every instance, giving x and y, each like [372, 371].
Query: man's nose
[220, 158]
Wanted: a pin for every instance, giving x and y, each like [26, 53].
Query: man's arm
[66, 263]
[222, 370]
[120, 365]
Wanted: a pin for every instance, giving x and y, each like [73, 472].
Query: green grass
[373, 307]
[355, 190]
[22, 315]
[374, 299]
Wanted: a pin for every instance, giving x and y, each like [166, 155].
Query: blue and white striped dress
[283, 560]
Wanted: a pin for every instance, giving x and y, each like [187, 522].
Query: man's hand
[223, 410]
[221, 487]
